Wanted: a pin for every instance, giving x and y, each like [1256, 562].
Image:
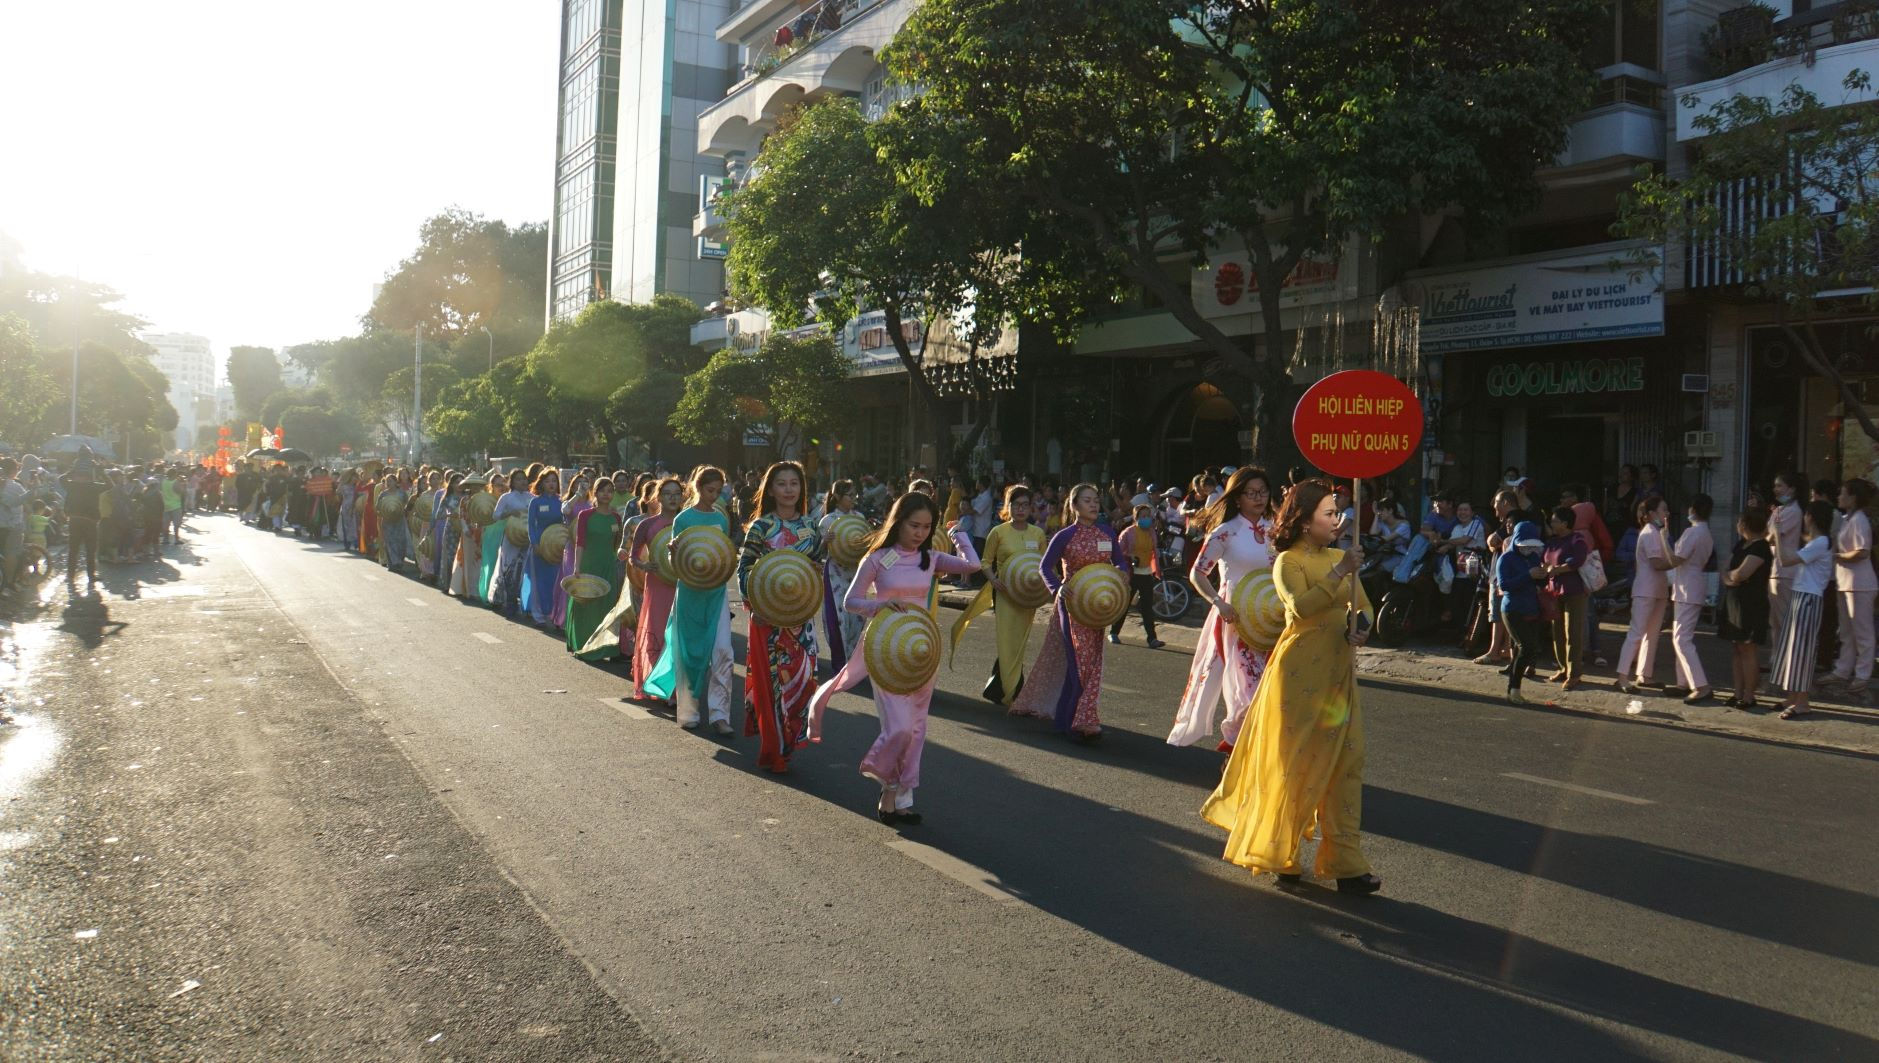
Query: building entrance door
[1566, 450]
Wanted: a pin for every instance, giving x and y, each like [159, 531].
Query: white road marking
[368, 577]
[419, 602]
[1114, 689]
[627, 709]
[1576, 788]
[487, 637]
[958, 870]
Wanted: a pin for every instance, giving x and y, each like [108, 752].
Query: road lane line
[627, 709]
[976, 878]
[419, 602]
[487, 637]
[1576, 788]
[368, 577]
[1114, 689]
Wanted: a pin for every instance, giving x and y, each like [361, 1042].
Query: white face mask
[1660, 521]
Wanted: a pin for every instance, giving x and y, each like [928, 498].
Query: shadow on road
[1401, 974]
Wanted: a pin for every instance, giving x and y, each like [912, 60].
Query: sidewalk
[1835, 724]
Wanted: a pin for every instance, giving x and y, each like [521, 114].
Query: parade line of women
[638, 570]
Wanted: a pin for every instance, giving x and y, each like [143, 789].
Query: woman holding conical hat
[1065, 683]
[1014, 539]
[1238, 530]
[395, 531]
[843, 627]
[367, 505]
[505, 585]
[780, 665]
[656, 592]
[898, 573]
[632, 581]
[423, 505]
[576, 500]
[466, 570]
[1300, 758]
[696, 664]
[539, 576]
[447, 529]
[595, 550]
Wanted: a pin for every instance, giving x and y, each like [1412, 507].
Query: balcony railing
[809, 25]
[1751, 35]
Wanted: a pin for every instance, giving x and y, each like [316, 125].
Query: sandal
[1794, 711]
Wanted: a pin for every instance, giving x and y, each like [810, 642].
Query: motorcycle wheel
[1393, 621]
[1170, 600]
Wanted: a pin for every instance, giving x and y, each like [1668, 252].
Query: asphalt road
[316, 811]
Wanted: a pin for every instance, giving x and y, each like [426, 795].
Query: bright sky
[247, 170]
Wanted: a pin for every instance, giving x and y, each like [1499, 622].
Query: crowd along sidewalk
[1835, 723]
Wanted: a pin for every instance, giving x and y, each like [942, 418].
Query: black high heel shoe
[1359, 884]
[1287, 882]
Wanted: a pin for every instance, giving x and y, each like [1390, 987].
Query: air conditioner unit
[1702, 444]
[1697, 382]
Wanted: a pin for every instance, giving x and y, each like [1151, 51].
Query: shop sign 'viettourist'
[1596, 294]
[1358, 424]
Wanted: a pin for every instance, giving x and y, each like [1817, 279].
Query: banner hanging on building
[1596, 293]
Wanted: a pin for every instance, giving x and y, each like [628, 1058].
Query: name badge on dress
[1103, 546]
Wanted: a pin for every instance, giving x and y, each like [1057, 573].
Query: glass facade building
[627, 171]
[580, 239]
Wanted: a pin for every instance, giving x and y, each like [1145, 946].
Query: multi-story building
[187, 363]
[1584, 363]
[627, 174]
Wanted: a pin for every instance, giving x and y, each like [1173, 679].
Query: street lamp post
[76, 331]
[417, 394]
[492, 347]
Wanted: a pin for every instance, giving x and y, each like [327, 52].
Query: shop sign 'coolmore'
[1590, 376]
[1596, 293]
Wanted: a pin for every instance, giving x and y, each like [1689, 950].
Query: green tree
[64, 310]
[467, 420]
[120, 397]
[467, 273]
[1814, 251]
[1136, 131]
[286, 398]
[825, 232]
[789, 389]
[321, 431]
[394, 407]
[254, 375]
[27, 391]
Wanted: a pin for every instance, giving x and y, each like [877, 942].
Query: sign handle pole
[1357, 533]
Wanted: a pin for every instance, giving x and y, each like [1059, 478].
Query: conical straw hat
[1023, 576]
[848, 539]
[1097, 596]
[703, 557]
[1261, 613]
[784, 589]
[515, 529]
[553, 544]
[901, 649]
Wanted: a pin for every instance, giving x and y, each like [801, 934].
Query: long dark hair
[837, 490]
[1227, 506]
[541, 479]
[1301, 502]
[1821, 513]
[904, 507]
[702, 475]
[765, 504]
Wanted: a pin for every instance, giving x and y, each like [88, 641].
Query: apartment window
[1626, 33]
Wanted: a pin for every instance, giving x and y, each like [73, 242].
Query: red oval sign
[1358, 424]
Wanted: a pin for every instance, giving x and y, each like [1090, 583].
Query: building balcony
[1755, 57]
[709, 223]
[829, 48]
[1626, 125]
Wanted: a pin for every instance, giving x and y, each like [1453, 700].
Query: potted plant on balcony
[1741, 38]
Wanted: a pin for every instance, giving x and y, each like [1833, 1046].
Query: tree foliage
[254, 375]
[468, 273]
[27, 391]
[1814, 250]
[1149, 129]
[790, 388]
[826, 231]
[63, 310]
